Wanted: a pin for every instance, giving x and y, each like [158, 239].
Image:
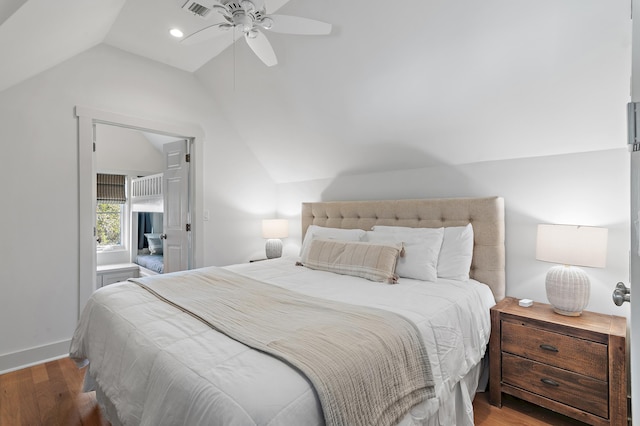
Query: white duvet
[159, 366]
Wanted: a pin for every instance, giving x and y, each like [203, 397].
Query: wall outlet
[205, 215]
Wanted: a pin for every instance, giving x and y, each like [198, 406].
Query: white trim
[34, 356]
[87, 118]
[169, 129]
[86, 209]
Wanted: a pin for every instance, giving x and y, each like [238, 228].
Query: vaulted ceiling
[37, 34]
[395, 85]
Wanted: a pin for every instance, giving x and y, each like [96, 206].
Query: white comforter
[160, 366]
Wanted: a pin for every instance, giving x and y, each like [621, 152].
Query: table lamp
[273, 230]
[570, 246]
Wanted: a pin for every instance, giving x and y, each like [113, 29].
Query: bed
[151, 262]
[147, 205]
[147, 194]
[151, 362]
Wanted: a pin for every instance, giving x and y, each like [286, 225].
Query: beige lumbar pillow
[373, 261]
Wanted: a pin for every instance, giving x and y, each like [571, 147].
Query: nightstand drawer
[559, 385]
[570, 353]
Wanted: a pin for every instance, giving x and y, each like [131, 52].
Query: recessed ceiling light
[176, 33]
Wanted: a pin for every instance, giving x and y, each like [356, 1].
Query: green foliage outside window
[109, 224]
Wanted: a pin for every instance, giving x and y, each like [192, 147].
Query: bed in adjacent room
[147, 205]
[274, 342]
[151, 262]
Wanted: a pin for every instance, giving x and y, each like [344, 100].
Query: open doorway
[141, 225]
[189, 136]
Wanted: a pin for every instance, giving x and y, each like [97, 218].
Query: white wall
[434, 82]
[39, 273]
[586, 189]
[126, 150]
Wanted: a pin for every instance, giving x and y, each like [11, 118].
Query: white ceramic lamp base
[568, 289]
[273, 248]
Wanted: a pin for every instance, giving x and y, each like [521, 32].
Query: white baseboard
[34, 356]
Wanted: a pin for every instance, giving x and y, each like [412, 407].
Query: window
[110, 211]
[109, 224]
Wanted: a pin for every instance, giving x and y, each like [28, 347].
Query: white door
[634, 258]
[634, 278]
[177, 216]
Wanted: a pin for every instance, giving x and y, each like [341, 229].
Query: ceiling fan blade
[206, 33]
[262, 48]
[286, 24]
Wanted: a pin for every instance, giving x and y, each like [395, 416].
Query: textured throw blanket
[368, 366]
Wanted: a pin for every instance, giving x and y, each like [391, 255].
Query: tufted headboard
[486, 215]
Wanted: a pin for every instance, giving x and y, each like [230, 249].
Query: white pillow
[315, 231]
[155, 243]
[421, 251]
[456, 253]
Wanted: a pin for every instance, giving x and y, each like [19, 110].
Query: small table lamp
[273, 230]
[570, 245]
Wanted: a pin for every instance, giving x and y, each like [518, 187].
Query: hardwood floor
[516, 412]
[49, 395]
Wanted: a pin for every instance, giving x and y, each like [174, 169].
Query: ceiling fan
[251, 18]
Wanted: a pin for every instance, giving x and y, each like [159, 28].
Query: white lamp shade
[572, 245]
[275, 228]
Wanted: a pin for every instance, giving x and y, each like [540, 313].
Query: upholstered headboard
[486, 215]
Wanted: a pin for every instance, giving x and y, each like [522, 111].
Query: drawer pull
[549, 348]
[550, 382]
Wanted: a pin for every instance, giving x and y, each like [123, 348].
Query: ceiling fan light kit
[244, 15]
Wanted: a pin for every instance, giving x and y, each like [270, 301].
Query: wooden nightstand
[571, 365]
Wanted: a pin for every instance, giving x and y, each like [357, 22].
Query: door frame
[87, 119]
[634, 282]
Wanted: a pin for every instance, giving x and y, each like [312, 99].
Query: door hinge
[633, 111]
[188, 227]
[94, 147]
[187, 158]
